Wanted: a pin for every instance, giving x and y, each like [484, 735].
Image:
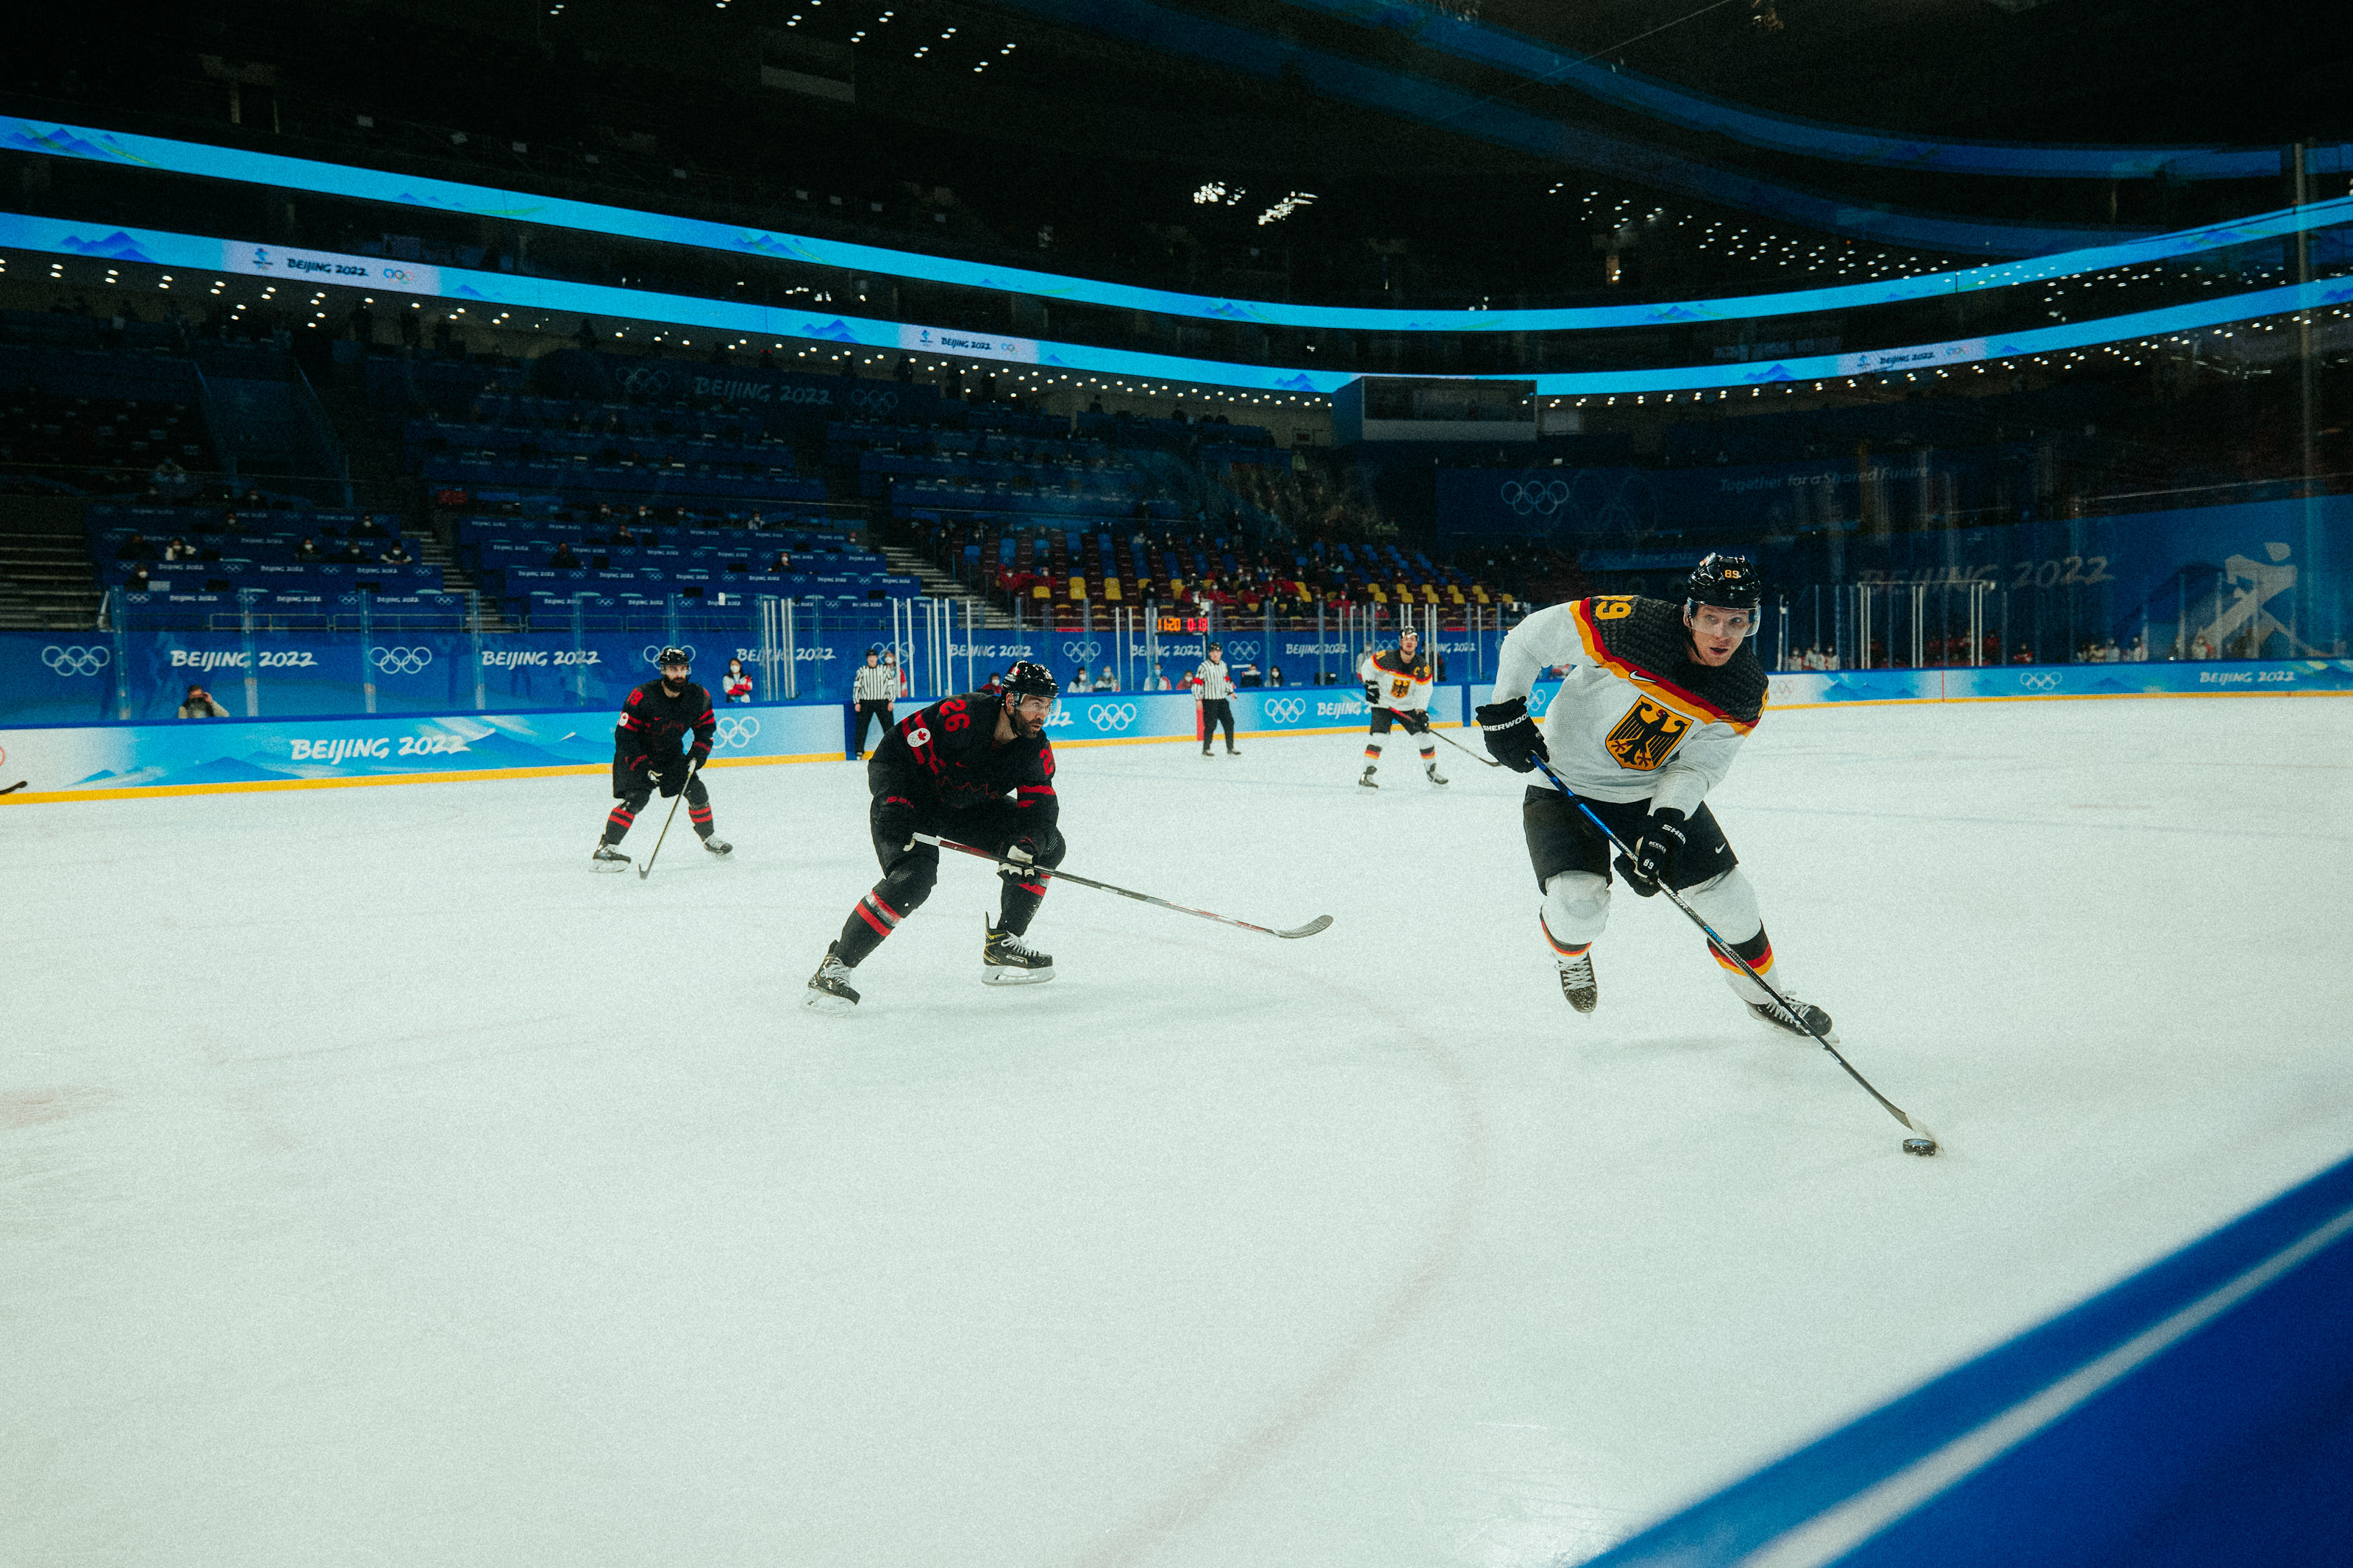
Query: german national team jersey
[1404, 682]
[1636, 715]
[655, 724]
[943, 757]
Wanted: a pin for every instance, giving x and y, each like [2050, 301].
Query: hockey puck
[1922, 1146]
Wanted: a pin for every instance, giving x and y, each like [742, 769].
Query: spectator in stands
[1274, 675]
[351, 552]
[1108, 680]
[171, 482]
[199, 704]
[2024, 655]
[897, 676]
[306, 550]
[368, 527]
[1080, 681]
[625, 534]
[137, 582]
[783, 562]
[179, 550]
[135, 548]
[737, 685]
[564, 560]
[397, 555]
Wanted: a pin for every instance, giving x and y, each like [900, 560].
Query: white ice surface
[379, 1185]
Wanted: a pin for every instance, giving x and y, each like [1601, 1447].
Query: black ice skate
[1577, 982]
[605, 858]
[1435, 776]
[1366, 779]
[719, 847]
[1007, 959]
[1812, 1023]
[828, 988]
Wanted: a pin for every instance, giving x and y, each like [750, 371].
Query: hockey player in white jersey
[1397, 692]
[1654, 702]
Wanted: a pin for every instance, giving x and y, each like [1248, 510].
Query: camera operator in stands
[200, 705]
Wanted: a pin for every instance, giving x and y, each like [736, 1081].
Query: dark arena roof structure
[388, 388]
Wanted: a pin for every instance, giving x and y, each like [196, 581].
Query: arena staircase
[47, 581]
[938, 585]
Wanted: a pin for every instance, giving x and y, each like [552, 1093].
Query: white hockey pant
[1577, 908]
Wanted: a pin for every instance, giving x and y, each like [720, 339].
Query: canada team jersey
[1404, 683]
[1636, 717]
[945, 757]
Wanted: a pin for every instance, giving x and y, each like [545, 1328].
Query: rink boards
[104, 760]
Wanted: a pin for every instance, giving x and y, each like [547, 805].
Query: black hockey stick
[13, 788]
[645, 870]
[1429, 729]
[1911, 1145]
[1310, 929]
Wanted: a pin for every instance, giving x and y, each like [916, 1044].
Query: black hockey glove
[672, 778]
[1513, 737]
[1654, 862]
[700, 757]
[1415, 723]
[1372, 694]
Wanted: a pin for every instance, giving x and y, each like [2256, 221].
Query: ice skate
[828, 988]
[719, 847]
[1435, 776]
[1366, 779]
[1577, 982]
[1812, 1024]
[1007, 959]
[605, 858]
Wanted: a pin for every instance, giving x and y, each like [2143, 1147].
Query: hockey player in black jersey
[977, 769]
[649, 753]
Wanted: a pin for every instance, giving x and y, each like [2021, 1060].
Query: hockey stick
[13, 788]
[1911, 1145]
[645, 870]
[1310, 929]
[1432, 729]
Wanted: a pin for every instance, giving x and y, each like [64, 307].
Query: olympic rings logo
[880, 400]
[732, 732]
[641, 378]
[653, 653]
[2040, 681]
[1529, 496]
[1082, 650]
[398, 274]
[77, 660]
[1111, 715]
[1283, 710]
[1242, 649]
[400, 661]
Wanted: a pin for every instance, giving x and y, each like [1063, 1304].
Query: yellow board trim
[250, 786]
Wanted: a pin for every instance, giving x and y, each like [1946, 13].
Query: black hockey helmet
[673, 654]
[1728, 582]
[1027, 678]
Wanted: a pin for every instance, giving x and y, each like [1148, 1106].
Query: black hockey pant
[633, 789]
[908, 874]
[876, 710]
[1381, 721]
[1216, 710]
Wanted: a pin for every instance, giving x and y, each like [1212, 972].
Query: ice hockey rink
[379, 1185]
